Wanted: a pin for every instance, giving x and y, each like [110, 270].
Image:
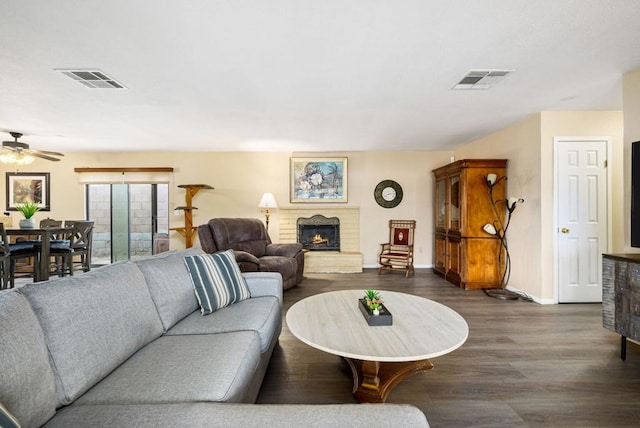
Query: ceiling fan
[20, 153]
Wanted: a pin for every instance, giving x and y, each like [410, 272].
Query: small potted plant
[28, 209]
[373, 300]
[373, 310]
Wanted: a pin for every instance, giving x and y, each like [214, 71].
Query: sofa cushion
[170, 284]
[261, 314]
[241, 415]
[204, 367]
[217, 280]
[92, 323]
[27, 386]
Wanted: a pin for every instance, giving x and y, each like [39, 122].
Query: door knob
[564, 230]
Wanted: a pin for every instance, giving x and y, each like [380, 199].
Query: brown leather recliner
[253, 248]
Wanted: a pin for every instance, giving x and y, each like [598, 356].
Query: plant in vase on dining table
[28, 209]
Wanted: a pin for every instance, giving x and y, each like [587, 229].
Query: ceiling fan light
[7, 158]
[18, 159]
[25, 159]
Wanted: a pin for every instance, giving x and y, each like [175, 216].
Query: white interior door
[582, 219]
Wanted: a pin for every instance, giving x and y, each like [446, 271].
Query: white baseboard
[376, 266]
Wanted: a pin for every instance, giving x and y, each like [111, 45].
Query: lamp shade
[268, 201]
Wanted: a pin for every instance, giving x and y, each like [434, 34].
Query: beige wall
[240, 179]
[520, 143]
[631, 109]
[529, 147]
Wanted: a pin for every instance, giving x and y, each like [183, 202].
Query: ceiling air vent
[481, 79]
[94, 79]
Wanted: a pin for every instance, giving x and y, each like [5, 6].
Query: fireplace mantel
[348, 259]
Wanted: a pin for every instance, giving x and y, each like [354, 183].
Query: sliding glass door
[131, 220]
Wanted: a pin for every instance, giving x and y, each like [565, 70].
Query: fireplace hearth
[319, 233]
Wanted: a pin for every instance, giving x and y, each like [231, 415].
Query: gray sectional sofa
[125, 345]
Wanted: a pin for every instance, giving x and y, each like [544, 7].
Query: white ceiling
[303, 75]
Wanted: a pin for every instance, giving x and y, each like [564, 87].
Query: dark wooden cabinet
[464, 253]
[621, 296]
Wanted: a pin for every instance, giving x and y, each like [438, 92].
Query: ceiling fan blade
[47, 152]
[43, 156]
[23, 149]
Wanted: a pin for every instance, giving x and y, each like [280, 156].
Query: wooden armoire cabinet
[464, 253]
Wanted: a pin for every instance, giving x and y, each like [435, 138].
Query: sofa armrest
[264, 284]
[244, 257]
[285, 250]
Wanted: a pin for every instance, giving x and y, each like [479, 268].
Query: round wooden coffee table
[380, 357]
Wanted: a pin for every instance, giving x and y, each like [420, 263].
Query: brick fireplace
[348, 259]
[319, 233]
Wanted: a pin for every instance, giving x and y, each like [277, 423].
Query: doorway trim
[556, 227]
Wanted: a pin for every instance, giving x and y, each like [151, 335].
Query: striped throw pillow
[217, 280]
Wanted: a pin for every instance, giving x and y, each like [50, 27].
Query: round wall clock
[388, 194]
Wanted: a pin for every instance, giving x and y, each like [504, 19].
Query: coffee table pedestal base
[374, 380]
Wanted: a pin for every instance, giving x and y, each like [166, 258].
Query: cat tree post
[188, 231]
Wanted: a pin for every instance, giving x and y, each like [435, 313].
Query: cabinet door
[454, 260]
[454, 203]
[441, 204]
[440, 255]
[482, 268]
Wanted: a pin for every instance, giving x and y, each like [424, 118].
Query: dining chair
[81, 242]
[61, 252]
[10, 253]
[28, 264]
[49, 222]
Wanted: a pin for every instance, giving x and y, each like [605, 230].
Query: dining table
[44, 236]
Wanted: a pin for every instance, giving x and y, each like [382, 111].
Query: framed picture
[25, 187]
[321, 180]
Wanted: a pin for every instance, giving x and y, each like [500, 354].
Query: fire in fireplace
[319, 233]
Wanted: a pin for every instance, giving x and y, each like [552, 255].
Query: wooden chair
[60, 248]
[10, 253]
[397, 254]
[49, 222]
[81, 241]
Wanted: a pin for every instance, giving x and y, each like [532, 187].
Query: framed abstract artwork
[23, 187]
[320, 180]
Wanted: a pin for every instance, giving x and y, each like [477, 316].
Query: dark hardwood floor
[523, 365]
